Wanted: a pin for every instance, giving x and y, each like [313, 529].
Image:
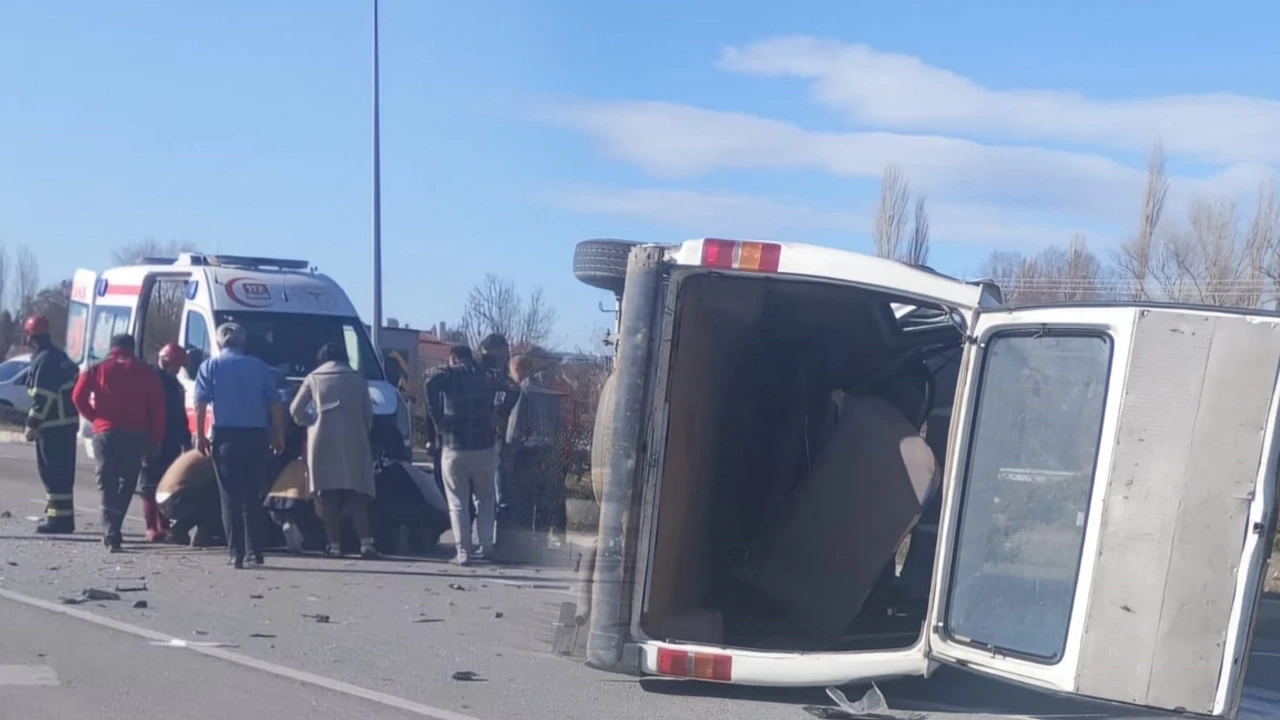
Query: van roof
[237, 283]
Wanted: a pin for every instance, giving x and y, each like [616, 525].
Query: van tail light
[734, 255]
[701, 666]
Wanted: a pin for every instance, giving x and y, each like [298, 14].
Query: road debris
[318, 617]
[255, 597]
[498, 615]
[5, 515]
[140, 605]
[131, 588]
[457, 586]
[871, 705]
[200, 632]
[89, 595]
[429, 620]
[261, 635]
[467, 676]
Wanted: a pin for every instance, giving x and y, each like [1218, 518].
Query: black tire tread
[602, 264]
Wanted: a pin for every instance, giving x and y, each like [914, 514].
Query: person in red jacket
[123, 398]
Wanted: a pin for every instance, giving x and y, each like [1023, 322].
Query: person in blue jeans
[248, 425]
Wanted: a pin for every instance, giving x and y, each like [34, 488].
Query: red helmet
[36, 325]
[172, 355]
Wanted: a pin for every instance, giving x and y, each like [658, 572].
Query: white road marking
[242, 660]
[27, 675]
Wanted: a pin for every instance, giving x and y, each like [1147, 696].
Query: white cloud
[725, 214]
[902, 92]
[678, 141]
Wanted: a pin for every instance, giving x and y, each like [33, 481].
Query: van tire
[602, 435]
[602, 263]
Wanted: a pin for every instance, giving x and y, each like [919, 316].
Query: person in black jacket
[52, 423]
[464, 402]
[177, 439]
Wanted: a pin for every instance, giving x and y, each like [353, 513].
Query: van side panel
[1190, 438]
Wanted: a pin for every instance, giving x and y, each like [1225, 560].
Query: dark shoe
[237, 563]
[333, 551]
[113, 543]
[256, 559]
[56, 526]
[367, 552]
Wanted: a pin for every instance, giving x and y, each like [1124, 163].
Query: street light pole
[377, 196]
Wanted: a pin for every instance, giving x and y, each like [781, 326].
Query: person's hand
[277, 444]
[31, 434]
[202, 444]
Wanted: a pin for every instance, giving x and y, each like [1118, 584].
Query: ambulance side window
[107, 323]
[197, 341]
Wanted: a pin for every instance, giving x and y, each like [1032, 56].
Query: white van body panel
[1183, 487]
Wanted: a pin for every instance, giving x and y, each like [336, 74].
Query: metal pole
[377, 196]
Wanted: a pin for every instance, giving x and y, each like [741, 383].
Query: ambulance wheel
[602, 263]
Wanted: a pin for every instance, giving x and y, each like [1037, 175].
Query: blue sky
[511, 130]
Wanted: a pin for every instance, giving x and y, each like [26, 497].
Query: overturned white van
[1091, 511]
[288, 309]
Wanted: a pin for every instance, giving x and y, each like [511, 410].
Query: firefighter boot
[151, 514]
[60, 525]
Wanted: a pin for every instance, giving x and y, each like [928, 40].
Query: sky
[511, 130]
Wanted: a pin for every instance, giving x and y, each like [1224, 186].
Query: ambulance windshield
[291, 341]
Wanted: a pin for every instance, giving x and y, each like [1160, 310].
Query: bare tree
[26, 279]
[1056, 274]
[917, 250]
[495, 306]
[164, 307]
[4, 272]
[1134, 258]
[1264, 234]
[891, 213]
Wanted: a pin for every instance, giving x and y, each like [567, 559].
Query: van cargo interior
[805, 440]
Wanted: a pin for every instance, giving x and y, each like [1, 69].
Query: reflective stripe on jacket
[50, 380]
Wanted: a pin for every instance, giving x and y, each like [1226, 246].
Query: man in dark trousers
[52, 423]
[495, 356]
[124, 400]
[248, 425]
[177, 439]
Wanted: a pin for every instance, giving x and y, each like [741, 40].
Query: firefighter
[177, 439]
[52, 423]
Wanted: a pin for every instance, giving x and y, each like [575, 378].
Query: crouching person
[187, 495]
[177, 440]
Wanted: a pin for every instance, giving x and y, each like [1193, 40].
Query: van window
[292, 341]
[1027, 483]
[107, 323]
[77, 321]
[197, 334]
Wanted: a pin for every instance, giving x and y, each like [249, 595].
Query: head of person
[494, 351]
[521, 367]
[460, 356]
[123, 344]
[35, 331]
[173, 357]
[232, 335]
[334, 352]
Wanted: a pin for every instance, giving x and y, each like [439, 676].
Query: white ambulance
[288, 309]
[1106, 479]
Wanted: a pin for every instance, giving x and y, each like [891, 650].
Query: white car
[13, 383]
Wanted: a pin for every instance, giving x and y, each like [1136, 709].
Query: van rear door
[1109, 505]
[79, 311]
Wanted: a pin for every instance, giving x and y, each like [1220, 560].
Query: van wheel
[602, 437]
[602, 263]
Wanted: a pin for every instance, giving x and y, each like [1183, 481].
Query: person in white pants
[465, 403]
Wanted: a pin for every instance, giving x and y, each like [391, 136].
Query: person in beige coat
[333, 403]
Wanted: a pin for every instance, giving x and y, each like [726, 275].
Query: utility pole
[377, 196]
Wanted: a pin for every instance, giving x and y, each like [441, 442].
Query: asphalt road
[212, 641]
